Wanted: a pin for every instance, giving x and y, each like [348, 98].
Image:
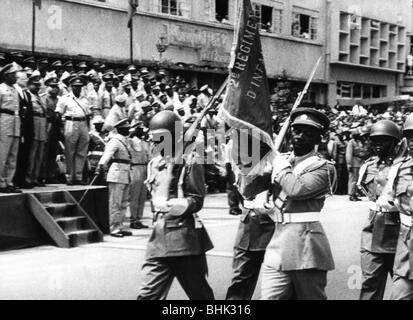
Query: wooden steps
[64, 219]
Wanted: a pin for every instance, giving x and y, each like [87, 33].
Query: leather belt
[406, 220]
[138, 164]
[38, 114]
[298, 217]
[10, 112]
[374, 207]
[121, 161]
[75, 118]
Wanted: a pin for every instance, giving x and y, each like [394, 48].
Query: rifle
[281, 135]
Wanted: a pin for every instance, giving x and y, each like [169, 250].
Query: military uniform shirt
[9, 100]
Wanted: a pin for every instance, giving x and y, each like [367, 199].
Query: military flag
[246, 106]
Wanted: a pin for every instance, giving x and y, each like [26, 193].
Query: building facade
[362, 43]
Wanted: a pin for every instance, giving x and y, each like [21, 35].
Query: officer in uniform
[254, 234]
[49, 100]
[97, 144]
[140, 150]
[9, 127]
[107, 97]
[399, 191]
[74, 109]
[37, 148]
[118, 152]
[298, 256]
[379, 236]
[179, 240]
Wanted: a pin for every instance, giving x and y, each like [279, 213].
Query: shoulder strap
[83, 109]
[305, 164]
[393, 172]
[363, 170]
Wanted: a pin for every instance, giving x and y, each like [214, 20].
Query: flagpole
[33, 27]
[131, 40]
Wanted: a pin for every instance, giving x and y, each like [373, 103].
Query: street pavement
[112, 269]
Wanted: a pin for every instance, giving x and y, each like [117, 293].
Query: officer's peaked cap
[310, 117]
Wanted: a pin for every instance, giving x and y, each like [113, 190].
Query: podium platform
[19, 228]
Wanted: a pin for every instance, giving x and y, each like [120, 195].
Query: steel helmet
[408, 123]
[165, 121]
[385, 128]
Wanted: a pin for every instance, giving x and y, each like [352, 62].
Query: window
[221, 11]
[269, 18]
[358, 90]
[171, 7]
[277, 28]
[304, 26]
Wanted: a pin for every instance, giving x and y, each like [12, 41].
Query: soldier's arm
[194, 188]
[308, 185]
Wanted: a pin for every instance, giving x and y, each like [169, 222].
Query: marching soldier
[118, 153]
[74, 109]
[399, 190]
[140, 150]
[179, 240]
[379, 236]
[9, 127]
[298, 256]
[37, 148]
[254, 234]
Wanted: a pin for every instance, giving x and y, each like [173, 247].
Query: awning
[372, 101]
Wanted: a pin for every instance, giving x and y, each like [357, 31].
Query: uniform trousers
[232, 193]
[190, 271]
[402, 289]
[76, 145]
[9, 148]
[375, 268]
[246, 267]
[353, 176]
[118, 203]
[306, 284]
[138, 191]
[36, 155]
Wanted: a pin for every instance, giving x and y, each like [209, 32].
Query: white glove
[261, 202]
[279, 163]
[178, 206]
[161, 204]
[384, 202]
